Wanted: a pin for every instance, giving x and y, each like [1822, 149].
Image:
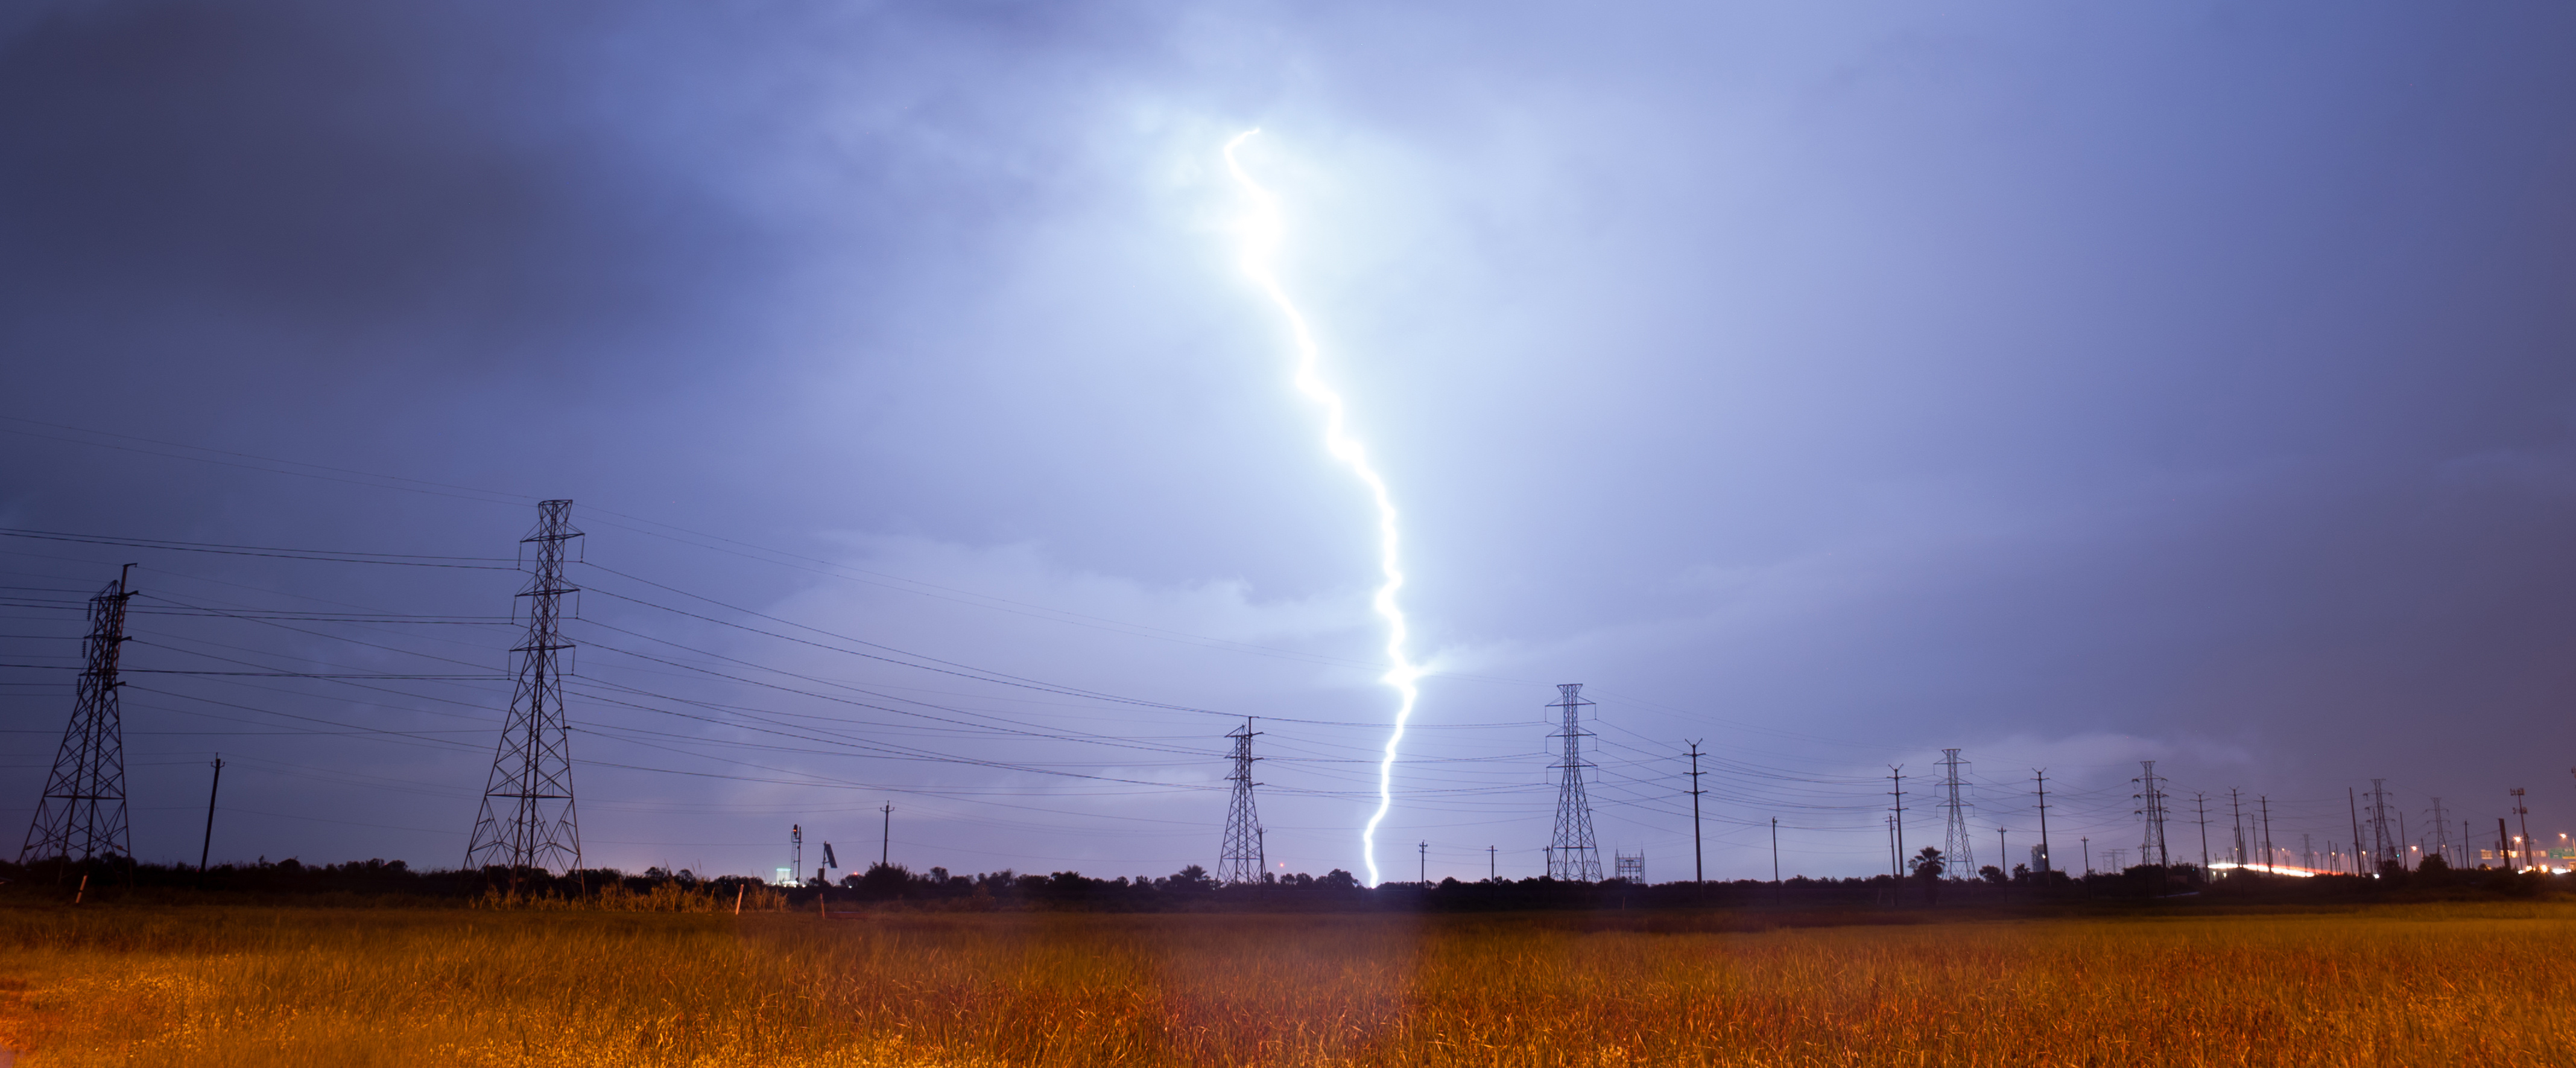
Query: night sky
[2073, 385]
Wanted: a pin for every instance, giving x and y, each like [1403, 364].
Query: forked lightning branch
[1262, 231]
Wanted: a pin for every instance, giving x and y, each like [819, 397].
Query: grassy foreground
[2487, 984]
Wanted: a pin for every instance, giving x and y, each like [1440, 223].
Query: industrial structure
[1958, 846]
[1572, 853]
[82, 814]
[528, 819]
[2151, 849]
[1240, 858]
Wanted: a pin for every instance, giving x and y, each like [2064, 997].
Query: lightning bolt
[1262, 234]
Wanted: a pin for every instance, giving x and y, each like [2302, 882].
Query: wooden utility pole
[2045, 861]
[1775, 852]
[2266, 802]
[1699, 874]
[1896, 820]
[2524, 814]
[208, 846]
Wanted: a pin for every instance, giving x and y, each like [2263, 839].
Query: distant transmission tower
[1241, 860]
[1958, 850]
[2383, 845]
[1631, 867]
[2152, 849]
[527, 819]
[82, 815]
[2441, 832]
[2522, 813]
[1572, 853]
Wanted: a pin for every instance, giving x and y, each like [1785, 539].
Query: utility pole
[1239, 858]
[2087, 843]
[1775, 852]
[2269, 859]
[2523, 814]
[1699, 872]
[2236, 816]
[2003, 849]
[1958, 848]
[796, 853]
[885, 840]
[1573, 854]
[1493, 867]
[2044, 863]
[2355, 807]
[2441, 832]
[208, 846]
[2383, 846]
[2504, 845]
[528, 820]
[1896, 816]
[2201, 803]
[81, 816]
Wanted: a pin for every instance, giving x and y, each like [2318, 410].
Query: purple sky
[2072, 386]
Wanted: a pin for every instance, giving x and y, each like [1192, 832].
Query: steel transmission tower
[2383, 845]
[1631, 868]
[2523, 813]
[2441, 832]
[2153, 846]
[1958, 849]
[527, 819]
[1241, 860]
[82, 815]
[1572, 853]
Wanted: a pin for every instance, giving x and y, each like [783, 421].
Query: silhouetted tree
[1927, 867]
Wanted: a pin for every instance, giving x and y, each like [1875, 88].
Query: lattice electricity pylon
[2151, 850]
[1958, 847]
[1241, 860]
[1631, 867]
[82, 815]
[1571, 852]
[2383, 844]
[2441, 832]
[528, 819]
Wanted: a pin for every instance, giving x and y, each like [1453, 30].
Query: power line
[479, 563]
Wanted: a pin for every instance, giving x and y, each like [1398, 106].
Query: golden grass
[2487, 984]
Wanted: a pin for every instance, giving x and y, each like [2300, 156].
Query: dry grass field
[2478, 984]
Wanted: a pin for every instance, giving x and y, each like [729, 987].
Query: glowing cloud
[1262, 233]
